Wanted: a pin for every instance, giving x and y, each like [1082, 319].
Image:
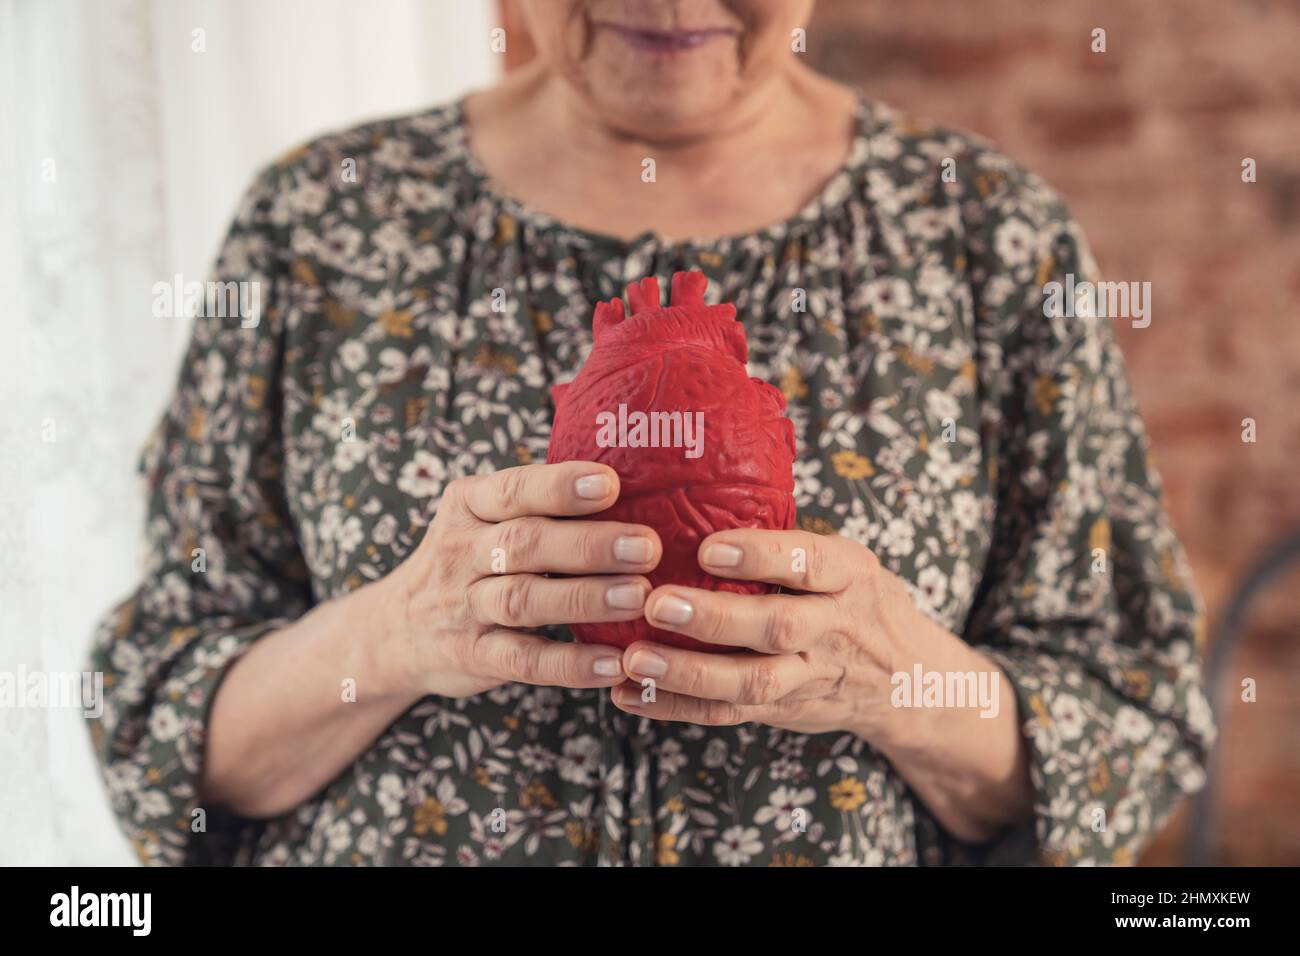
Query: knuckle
[781, 632]
[693, 679]
[521, 539]
[511, 487]
[717, 624]
[515, 599]
[565, 664]
[454, 493]
[815, 569]
[522, 662]
[761, 684]
[718, 713]
[576, 600]
[592, 549]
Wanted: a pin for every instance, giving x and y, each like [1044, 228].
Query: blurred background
[153, 115]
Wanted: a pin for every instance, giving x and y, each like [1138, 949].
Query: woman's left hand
[824, 653]
[826, 658]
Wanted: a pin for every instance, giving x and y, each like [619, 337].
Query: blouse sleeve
[223, 567]
[1087, 602]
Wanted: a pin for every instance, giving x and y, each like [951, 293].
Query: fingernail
[592, 487]
[628, 597]
[673, 610]
[722, 555]
[607, 666]
[649, 664]
[633, 550]
[626, 697]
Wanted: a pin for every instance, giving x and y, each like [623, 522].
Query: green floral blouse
[989, 454]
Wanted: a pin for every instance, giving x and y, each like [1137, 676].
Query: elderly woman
[324, 659]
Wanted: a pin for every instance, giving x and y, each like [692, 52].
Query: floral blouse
[989, 452]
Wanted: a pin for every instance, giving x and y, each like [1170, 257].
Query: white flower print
[1132, 724]
[737, 845]
[165, 723]
[897, 538]
[422, 477]
[580, 760]
[782, 803]
[390, 793]
[932, 584]
[353, 355]
[1014, 242]
[1067, 716]
[888, 297]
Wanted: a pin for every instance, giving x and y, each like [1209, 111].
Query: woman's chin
[676, 109]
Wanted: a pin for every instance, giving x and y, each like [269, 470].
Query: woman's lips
[665, 41]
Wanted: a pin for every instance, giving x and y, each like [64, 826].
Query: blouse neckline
[831, 195]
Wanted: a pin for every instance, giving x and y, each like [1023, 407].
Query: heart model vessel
[699, 446]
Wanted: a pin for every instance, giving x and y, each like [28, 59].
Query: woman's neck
[758, 163]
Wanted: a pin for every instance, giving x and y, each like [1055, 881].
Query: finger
[542, 545]
[794, 559]
[530, 600]
[562, 489]
[738, 678]
[665, 705]
[771, 623]
[530, 659]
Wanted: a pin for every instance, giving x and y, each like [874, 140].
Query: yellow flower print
[849, 794]
[1045, 269]
[295, 154]
[256, 391]
[303, 272]
[505, 229]
[338, 316]
[1046, 392]
[792, 384]
[430, 815]
[397, 323]
[537, 794]
[851, 465]
[1099, 779]
[666, 853]
[815, 525]
[580, 836]
[789, 859]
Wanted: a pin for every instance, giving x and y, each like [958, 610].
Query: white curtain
[128, 130]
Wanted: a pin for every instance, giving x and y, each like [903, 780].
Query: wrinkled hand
[463, 602]
[823, 654]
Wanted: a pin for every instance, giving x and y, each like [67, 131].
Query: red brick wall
[1146, 141]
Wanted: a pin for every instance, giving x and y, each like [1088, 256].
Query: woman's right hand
[459, 608]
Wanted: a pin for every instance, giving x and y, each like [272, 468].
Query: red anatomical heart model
[699, 445]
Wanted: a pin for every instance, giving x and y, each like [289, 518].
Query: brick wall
[1146, 142]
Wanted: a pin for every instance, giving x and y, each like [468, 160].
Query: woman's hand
[459, 603]
[826, 658]
[818, 668]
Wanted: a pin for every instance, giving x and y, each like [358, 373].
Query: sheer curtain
[128, 130]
